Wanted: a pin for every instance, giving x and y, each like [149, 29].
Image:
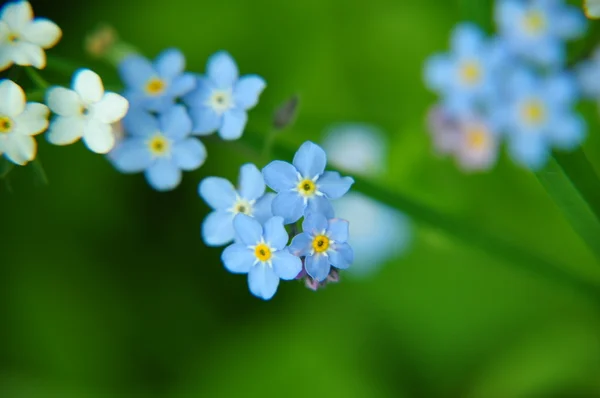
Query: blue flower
[261, 253]
[221, 99]
[160, 146]
[220, 194]
[588, 74]
[156, 86]
[304, 185]
[539, 116]
[537, 29]
[466, 77]
[323, 243]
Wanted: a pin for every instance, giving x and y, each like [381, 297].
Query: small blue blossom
[539, 116]
[305, 184]
[537, 29]
[227, 202]
[261, 252]
[466, 77]
[155, 86]
[160, 146]
[323, 244]
[221, 100]
[588, 74]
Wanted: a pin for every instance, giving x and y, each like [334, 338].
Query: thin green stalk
[268, 147]
[36, 78]
[39, 171]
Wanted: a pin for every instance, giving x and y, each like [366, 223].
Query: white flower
[592, 8]
[22, 38]
[86, 111]
[19, 122]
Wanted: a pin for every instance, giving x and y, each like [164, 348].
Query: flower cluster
[260, 224]
[514, 87]
[170, 107]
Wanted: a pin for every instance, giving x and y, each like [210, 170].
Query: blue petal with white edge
[301, 244]
[247, 229]
[275, 234]
[263, 281]
[262, 208]
[238, 259]
[189, 154]
[140, 123]
[286, 265]
[131, 156]
[289, 205]
[338, 230]
[320, 204]
[310, 160]
[341, 256]
[175, 122]
[314, 223]
[280, 176]
[247, 91]
[333, 185]
[234, 122]
[163, 175]
[217, 228]
[170, 63]
[222, 70]
[252, 183]
[135, 71]
[217, 192]
[317, 266]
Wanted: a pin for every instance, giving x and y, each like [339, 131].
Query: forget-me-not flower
[227, 202]
[323, 244]
[23, 38]
[588, 75]
[540, 116]
[537, 29]
[154, 86]
[262, 253]
[86, 111]
[305, 184]
[19, 122]
[221, 99]
[161, 146]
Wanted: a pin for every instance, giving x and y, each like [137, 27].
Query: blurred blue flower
[588, 75]
[466, 77]
[539, 116]
[537, 29]
[155, 86]
[227, 202]
[160, 146]
[305, 184]
[261, 252]
[221, 100]
[323, 244]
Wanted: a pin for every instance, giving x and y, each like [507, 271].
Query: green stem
[62, 65]
[39, 171]
[36, 78]
[268, 147]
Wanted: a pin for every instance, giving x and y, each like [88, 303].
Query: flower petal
[338, 230]
[280, 176]
[111, 108]
[88, 85]
[317, 266]
[131, 156]
[438, 73]
[247, 90]
[301, 244]
[189, 154]
[217, 192]
[181, 85]
[286, 265]
[98, 137]
[222, 70]
[529, 150]
[205, 120]
[140, 123]
[263, 281]
[262, 208]
[341, 256]
[163, 175]
[201, 92]
[13, 98]
[33, 120]
[63, 102]
[17, 14]
[289, 205]
[568, 132]
[175, 122]
[234, 122]
[333, 185]
[42, 32]
[314, 223]
[275, 234]
[217, 229]
[65, 130]
[135, 71]
[322, 205]
[252, 183]
[310, 160]
[20, 149]
[28, 54]
[247, 229]
[170, 63]
[238, 259]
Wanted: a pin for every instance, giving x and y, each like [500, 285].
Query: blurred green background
[106, 289]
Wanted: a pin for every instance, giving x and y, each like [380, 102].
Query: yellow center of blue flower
[155, 86]
[6, 125]
[263, 252]
[470, 72]
[534, 22]
[320, 243]
[159, 145]
[307, 187]
[533, 112]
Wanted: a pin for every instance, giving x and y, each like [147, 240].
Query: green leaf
[5, 167]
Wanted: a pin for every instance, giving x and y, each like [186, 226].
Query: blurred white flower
[592, 8]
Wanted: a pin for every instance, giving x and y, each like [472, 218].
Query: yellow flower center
[533, 112]
[534, 22]
[477, 138]
[263, 252]
[320, 243]
[6, 124]
[159, 145]
[307, 187]
[470, 72]
[155, 86]
[12, 37]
